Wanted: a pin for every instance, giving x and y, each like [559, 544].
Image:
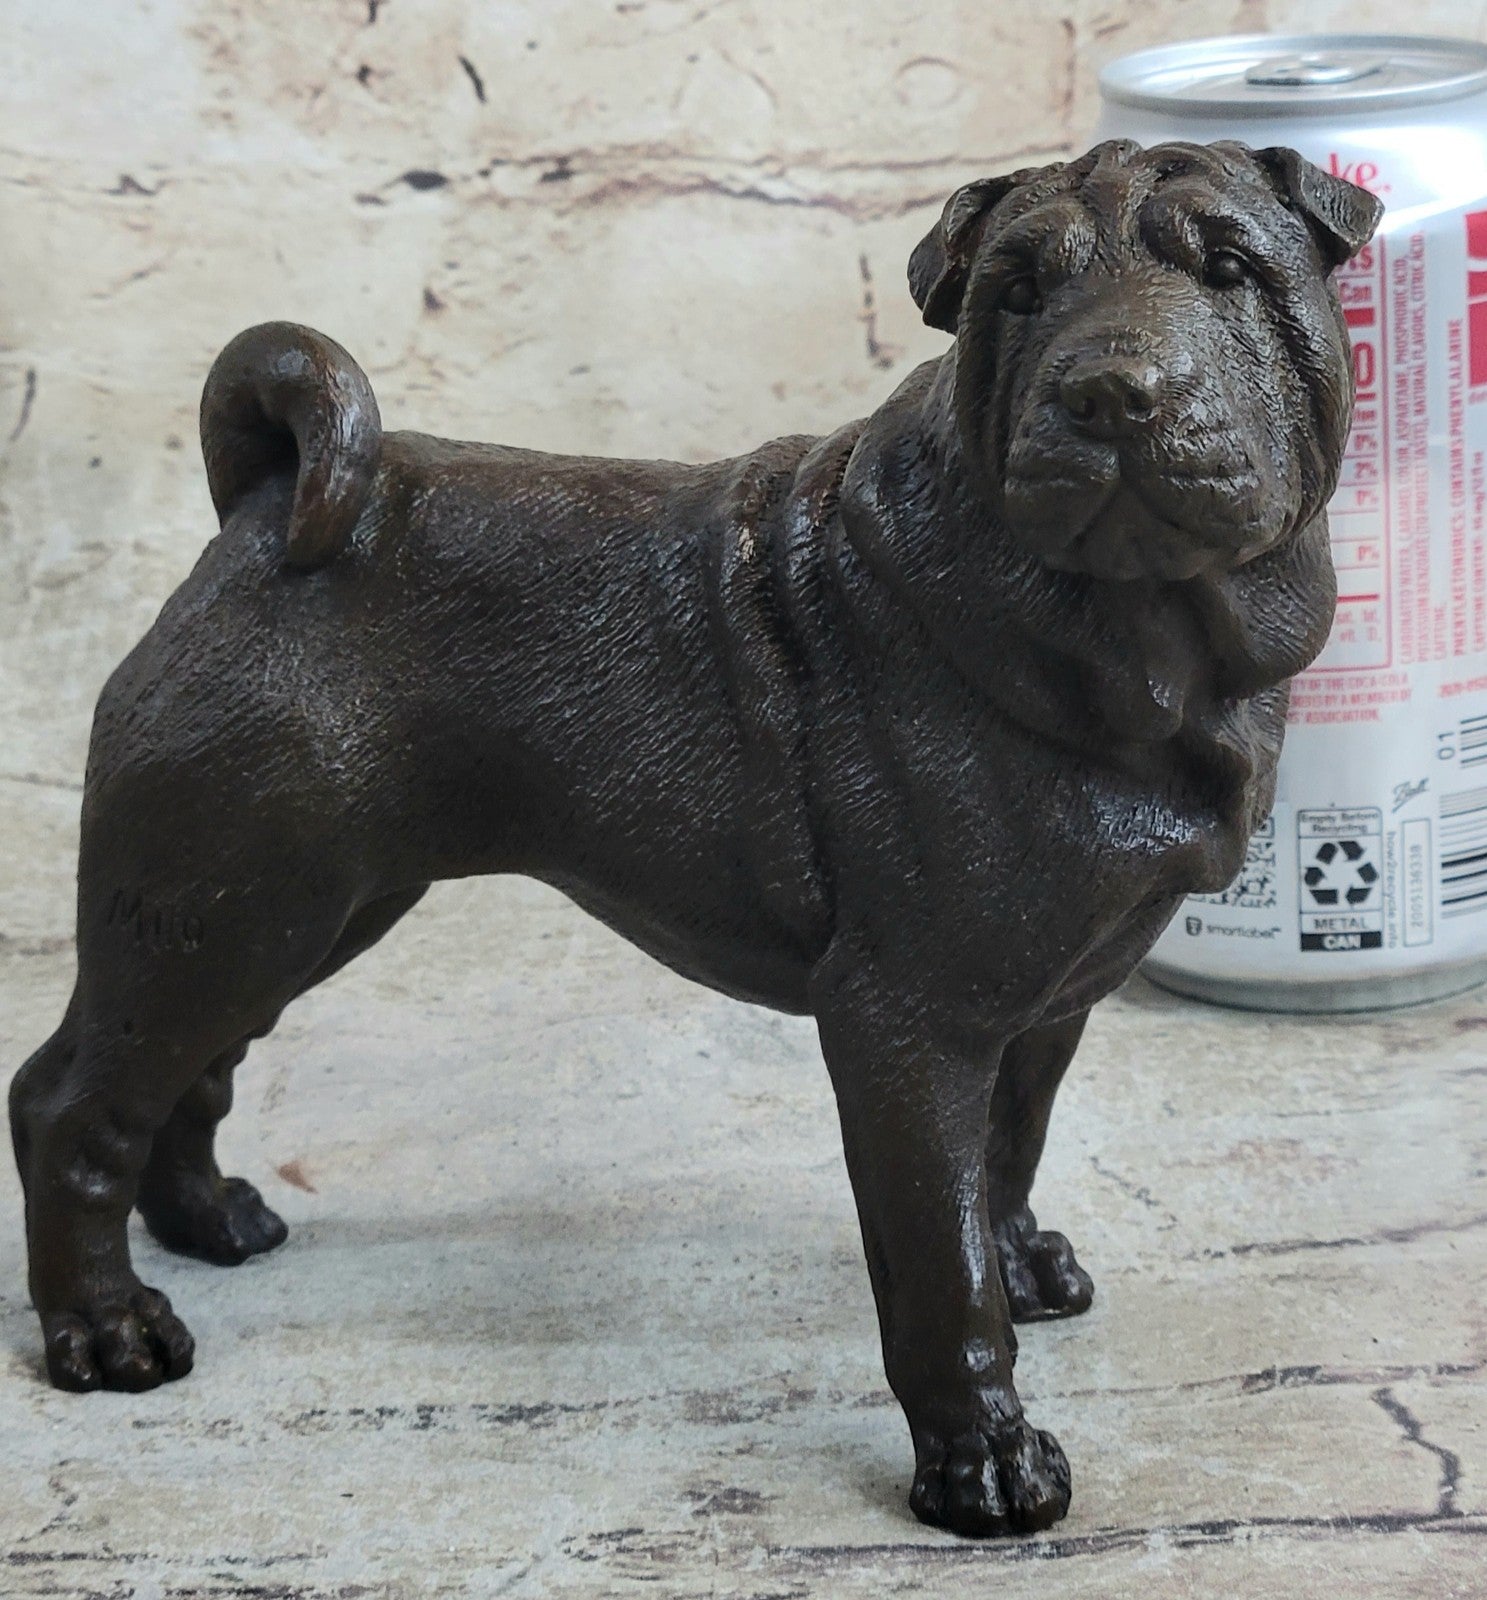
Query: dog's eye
[1224, 269]
[1021, 296]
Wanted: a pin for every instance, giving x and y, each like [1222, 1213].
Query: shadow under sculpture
[924, 728]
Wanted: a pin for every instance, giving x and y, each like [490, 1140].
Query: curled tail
[283, 397]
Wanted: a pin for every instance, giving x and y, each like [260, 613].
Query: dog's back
[504, 661]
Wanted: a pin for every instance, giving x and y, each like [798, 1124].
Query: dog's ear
[941, 261]
[1340, 215]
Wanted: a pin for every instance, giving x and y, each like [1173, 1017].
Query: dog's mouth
[1120, 520]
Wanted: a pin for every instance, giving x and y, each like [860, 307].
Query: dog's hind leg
[101, 1325]
[185, 1200]
[1039, 1272]
[170, 980]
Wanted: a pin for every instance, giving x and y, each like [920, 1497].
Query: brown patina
[924, 728]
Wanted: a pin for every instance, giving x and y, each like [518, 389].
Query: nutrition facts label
[1409, 519]
[1359, 511]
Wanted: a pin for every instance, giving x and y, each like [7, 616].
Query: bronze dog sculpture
[924, 728]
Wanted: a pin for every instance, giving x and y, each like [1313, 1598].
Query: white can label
[1375, 858]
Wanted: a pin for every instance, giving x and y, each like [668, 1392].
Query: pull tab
[1310, 72]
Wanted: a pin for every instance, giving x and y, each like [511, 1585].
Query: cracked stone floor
[574, 1302]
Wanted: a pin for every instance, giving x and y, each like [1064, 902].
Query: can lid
[1305, 74]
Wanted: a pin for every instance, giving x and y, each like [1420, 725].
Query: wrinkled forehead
[1121, 198]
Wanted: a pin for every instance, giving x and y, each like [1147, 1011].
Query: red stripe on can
[1476, 235]
[1477, 331]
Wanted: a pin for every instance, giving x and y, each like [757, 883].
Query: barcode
[1473, 741]
[1463, 851]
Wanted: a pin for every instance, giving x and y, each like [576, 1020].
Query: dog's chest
[1033, 878]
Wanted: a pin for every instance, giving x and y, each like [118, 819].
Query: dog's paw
[222, 1220]
[1012, 1478]
[1039, 1272]
[131, 1341]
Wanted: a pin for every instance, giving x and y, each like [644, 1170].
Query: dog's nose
[1112, 397]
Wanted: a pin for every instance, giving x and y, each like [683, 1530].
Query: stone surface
[574, 1301]
[644, 1358]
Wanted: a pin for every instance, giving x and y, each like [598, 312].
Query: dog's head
[1152, 370]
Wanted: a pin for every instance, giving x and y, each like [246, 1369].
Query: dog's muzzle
[1108, 481]
[1112, 399]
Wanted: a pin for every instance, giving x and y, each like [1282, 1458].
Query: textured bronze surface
[924, 728]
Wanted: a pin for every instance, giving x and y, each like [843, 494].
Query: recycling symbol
[1342, 872]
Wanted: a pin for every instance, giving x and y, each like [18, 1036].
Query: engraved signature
[156, 926]
[1405, 792]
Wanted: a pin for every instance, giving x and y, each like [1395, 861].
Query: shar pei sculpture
[923, 728]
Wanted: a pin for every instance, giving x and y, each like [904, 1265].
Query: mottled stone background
[574, 1302]
[656, 227]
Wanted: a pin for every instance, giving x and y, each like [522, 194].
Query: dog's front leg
[914, 1117]
[1039, 1271]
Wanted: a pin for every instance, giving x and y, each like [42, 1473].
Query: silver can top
[1306, 74]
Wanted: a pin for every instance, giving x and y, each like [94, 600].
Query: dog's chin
[1112, 533]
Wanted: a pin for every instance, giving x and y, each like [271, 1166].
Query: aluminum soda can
[1367, 885]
